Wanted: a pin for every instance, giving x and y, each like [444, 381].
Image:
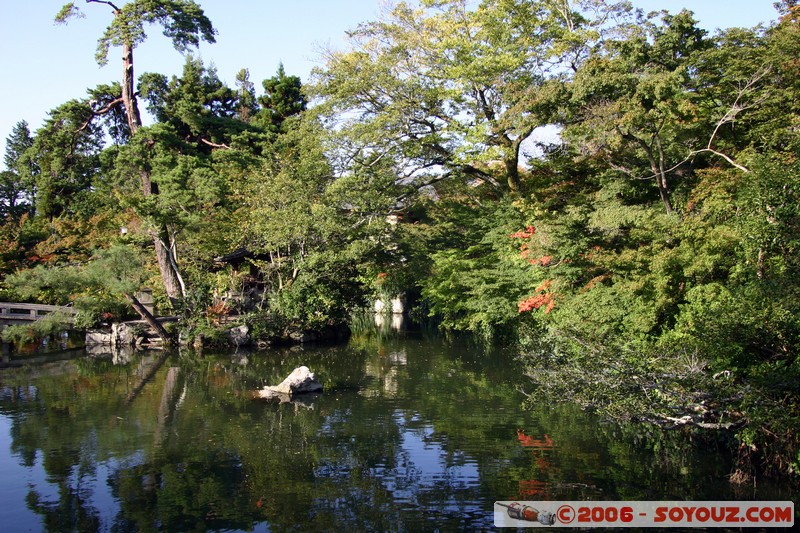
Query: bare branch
[689, 158]
[737, 106]
[214, 145]
[106, 2]
[719, 154]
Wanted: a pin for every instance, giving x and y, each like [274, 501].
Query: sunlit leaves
[182, 21]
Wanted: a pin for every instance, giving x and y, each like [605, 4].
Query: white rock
[301, 380]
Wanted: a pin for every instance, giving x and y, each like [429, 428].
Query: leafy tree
[293, 218]
[283, 97]
[445, 87]
[201, 156]
[182, 20]
[246, 95]
[65, 152]
[197, 104]
[477, 275]
[633, 102]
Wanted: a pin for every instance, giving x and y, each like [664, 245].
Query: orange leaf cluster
[540, 261]
[541, 299]
[217, 311]
[527, 233]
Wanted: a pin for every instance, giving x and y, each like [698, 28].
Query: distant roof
[234, 257]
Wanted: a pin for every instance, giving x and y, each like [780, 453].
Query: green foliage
[324, 293]
[633, 102]
[475, 286]
[198, 105]
[771, 438]
[65, 154]
[283, 97]
[96, 288]
[182, 21]
[246, 95]
[17, 181]
[459, 87]
[769, 220]
[50, 324]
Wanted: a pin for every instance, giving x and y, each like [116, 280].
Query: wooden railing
[12, 312]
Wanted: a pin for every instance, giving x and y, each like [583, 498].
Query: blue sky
[44, 65]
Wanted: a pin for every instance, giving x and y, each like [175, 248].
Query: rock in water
[301, 380]
[239, 336]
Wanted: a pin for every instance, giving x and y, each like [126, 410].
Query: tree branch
[214, 145]
[148, 317]
[102, 111]
[719, 154]
[106, 2]
[737, 107]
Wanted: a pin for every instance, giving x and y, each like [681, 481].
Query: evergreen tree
[17, 181]
[246, 95]
[185, 24]
[283, 97]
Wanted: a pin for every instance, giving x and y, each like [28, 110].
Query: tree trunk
[657, 167]
[149, 318]
[166, 264]
[128, 90]
[511, 163]
[663, 192]
[167, 405]
[147, 377]
[661, 178]
[169, 275]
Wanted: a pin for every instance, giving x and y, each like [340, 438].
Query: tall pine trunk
[161, 241]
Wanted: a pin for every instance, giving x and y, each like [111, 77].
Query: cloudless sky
[42, 65]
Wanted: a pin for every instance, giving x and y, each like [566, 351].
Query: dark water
[411, 434]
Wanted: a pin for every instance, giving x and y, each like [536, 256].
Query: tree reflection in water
[410, 433]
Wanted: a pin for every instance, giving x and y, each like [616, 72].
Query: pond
[412, 433]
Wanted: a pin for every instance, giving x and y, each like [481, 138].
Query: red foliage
[545, 443]
[539, 261]
[532, 487]
[217, 312]
[527, 233]
[542, 298]
[44, 259]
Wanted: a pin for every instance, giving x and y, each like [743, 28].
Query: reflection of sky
[15, 480]
[101, 498]
[423, 477]
[423, 465]
[89, 480]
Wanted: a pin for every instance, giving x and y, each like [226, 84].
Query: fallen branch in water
[671, 422]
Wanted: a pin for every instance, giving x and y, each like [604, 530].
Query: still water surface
[411, 434]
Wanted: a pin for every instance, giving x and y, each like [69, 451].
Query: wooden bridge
[13, 313]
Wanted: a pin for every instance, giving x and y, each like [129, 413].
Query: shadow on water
[412, 433]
